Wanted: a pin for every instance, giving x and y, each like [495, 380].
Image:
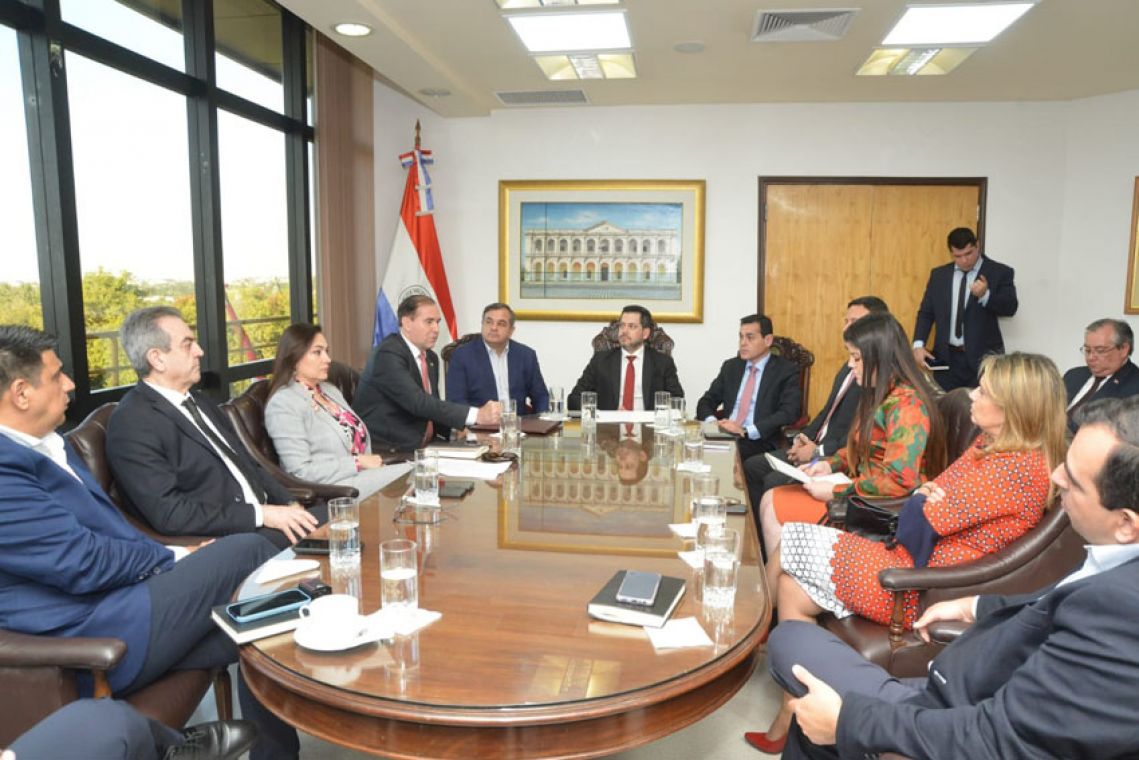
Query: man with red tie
[629, 376]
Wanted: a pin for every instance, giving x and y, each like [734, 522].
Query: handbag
[868, 519]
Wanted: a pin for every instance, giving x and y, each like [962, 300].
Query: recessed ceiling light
[352, 29]
[914, 61]
[587, 66]
[569, 32]
[511, 4]
[689, 47]
[940, 25]
[434, 92]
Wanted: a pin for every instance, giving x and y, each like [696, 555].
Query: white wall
[1058, 205]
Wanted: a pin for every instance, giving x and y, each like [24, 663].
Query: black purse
[878, 522]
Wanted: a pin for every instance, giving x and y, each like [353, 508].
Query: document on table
[834, 478]
[461, 468]
[624, 415]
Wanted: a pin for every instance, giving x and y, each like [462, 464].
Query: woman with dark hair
[317, 435]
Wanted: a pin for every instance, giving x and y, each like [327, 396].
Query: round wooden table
[516, 668]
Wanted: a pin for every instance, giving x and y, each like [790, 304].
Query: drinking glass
[510, 428]
[677, 416]
[721, 568]
[710, 514]
[662, 411]
[588, 410]
[343, 532]
[399, 581]
[705, 484]
[694, 446]
[557, 402]
[509, 405]
[426, 477]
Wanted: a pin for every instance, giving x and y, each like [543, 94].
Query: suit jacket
[840, 422]
[392, 401]
[1124, 383]
[605, 376]
[777, 403]
[470, 379]
[171, 476]
[1035, 676]
[70, 563]
[312, 446]
[982, 330]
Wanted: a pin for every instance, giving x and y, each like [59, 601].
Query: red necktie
[430, 432]
[630, 380]
[745, 398]
[837, 400]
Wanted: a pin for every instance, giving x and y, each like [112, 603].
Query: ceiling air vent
[823, 25]
[542, 97]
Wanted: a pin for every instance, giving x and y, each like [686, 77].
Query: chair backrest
[345, 378]
[247, 415]
[957, 422]
[605, 340]
[449, 349]
[798, 355]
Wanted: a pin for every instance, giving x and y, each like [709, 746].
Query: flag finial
[417, 134]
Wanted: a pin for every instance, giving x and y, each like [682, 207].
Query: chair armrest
[20, 650]
[946, 632]
[303, 495]
[987, 568]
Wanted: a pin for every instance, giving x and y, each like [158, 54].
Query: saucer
[320, 641]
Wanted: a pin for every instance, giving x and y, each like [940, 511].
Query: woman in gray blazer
[317, 435]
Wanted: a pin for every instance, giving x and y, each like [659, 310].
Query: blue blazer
[70, 563]
[470, 380]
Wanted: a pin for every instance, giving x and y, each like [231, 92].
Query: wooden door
[825, 243]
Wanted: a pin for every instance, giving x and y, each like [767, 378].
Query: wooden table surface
[516, 667]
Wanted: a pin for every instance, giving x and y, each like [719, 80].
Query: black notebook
[243, 633]
[605, 606]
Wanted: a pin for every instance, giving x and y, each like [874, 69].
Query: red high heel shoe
[759, 740]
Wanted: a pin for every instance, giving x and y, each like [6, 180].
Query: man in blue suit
[497, 367]
[71, 565]
[1047, 674]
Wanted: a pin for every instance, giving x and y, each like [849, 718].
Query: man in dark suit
[398, 396]
[177, 461]
[1108, 371]
[628, 377]
[1047, 674]
[497, 367]
[758, 391]
[72, 566]
[825, 434]
[963, 300]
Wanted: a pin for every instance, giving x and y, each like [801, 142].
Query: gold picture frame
[1131, 301]
[581, 249]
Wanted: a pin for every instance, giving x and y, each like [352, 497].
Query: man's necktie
[849, 381]
[630, 384]
[959, 323]
[430, 432]
[250, 476]
[1087, 396]
[745, 399]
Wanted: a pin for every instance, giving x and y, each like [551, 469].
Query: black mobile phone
[639, 588]
[314, 587]
[311, 546]
[270, 604]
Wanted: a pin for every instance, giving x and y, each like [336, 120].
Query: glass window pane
[150, 27]
[132, 189]
[248, 43]
[254, 230]
[309, 63]
[20, 276]
[313, 254]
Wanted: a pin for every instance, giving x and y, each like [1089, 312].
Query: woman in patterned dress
[993, 494]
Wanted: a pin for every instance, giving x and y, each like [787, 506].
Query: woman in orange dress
[992, 495]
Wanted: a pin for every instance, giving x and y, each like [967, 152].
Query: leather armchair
[798, 355]
[345, 378]
[658, 340]
[247, 415]
[449, 350]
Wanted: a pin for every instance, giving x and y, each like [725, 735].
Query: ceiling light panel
[515, 4]
[587, 66]
[914, 61]
[570, 32]
[939, 25]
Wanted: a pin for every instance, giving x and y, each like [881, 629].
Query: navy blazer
[982, 330]
[1124, 383]
[842, 418]
[470, 379]
[70, 563]
[391, 400]
[1050, 674]
[777, 404]
[169, 474]
[604, 375]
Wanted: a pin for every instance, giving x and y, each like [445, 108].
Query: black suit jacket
[605, 373]
[391, 400]
[1035, 676]
[777, 403]
[982, 330]
[1124, 383]
[839, 426]
[170, 475]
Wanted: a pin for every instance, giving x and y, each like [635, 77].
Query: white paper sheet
[684, 530]
[694, 558]
[623, 415]
[460, 468]
[834, 479]
[678, 634]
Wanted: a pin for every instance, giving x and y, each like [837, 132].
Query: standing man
[628, 377]
[963, 300]
[825, 434]
[758, 391]
[497, 367]
[177, 461]
[398, 396]
[1108, 371]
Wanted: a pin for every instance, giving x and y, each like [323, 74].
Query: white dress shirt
[501, 369]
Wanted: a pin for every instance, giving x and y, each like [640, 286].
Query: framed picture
[1131, 304]
[582, 249]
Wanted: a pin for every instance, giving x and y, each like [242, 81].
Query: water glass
[588, 410]
[509, 405]
[557, 402]
[399, 581]
[694, 446]
[677, 418]
[426, 477]
[710, 514]
[705, 484]
[721, 569]
[510, 428]
[343, 532]
[662, 414]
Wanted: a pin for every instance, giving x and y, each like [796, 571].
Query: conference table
[515, 667]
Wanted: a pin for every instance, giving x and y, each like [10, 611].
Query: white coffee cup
[333, 618]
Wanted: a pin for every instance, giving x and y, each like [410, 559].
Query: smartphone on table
[264, 606]
[639, 588]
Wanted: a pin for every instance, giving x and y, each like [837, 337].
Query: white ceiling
[1061, 49]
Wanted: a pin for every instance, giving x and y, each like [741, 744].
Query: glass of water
[705, 484]
[677, 416]
[588, 410]
[399, 577]
[662, 414]
[509, 405]
[694, 446]
[710, 514]
[343, 532]
[510, 428]
[557, 402]
[721, 569]
[426, 477]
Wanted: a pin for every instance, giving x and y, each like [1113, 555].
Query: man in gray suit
[398, 397]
